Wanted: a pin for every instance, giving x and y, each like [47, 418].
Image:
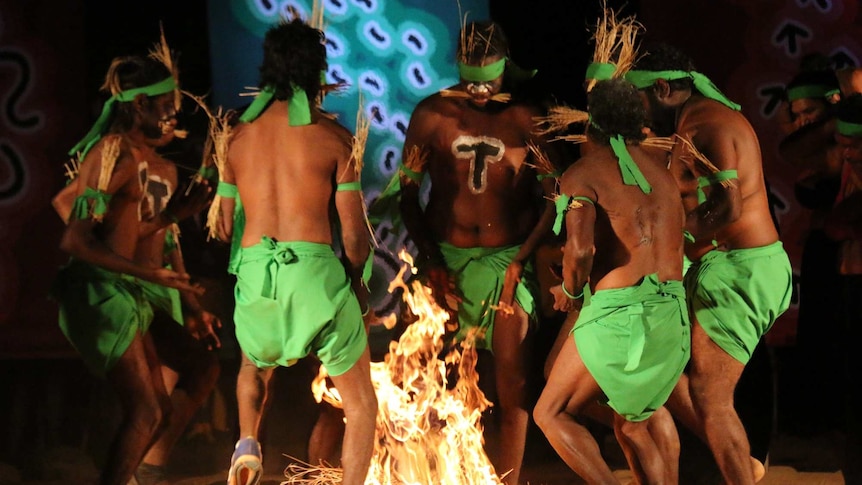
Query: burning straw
[427, 431]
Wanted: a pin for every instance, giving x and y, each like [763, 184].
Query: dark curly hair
[293, 54]
[615, 109]
[850, 109]
[130, 72]
[488, 40]
[825, 78]
[665, 57]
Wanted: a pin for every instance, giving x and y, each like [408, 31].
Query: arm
[723, 203]
[79, 239]
[199, 322]
[354, 230]
[63, 201]
[227, 204]
[429, 257]
[540, 231]
[579, 250]
[416, 142]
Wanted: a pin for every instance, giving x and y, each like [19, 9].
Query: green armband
[227, 190]
[170, 242]
[91, 203]
[563, 203]
[714, 178]
[412, 175]
[349, 187]
[555, 174]
[208, 172]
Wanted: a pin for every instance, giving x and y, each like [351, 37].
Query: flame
[427, 431]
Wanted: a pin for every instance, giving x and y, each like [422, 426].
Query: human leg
[681, 407]
[651, 447]
[564, 334]
[252, 392]
[641, 450]
[189, 372]
[511, 344]
[360, 411]
[712, 379]
[142, 413]
[570, 386]
[328, 430]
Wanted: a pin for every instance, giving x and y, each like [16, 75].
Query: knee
[149, 415]
[543, 416]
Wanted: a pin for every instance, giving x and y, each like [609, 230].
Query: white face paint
[480, 151]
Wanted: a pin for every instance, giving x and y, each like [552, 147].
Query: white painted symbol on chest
[481, 151]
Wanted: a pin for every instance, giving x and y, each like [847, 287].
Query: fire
[427, 433]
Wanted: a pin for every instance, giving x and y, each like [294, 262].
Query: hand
[172, 279]
[189, 200]
[370, 318]
[562, 302]
[513, 277]
[202, 325]
[443, 288]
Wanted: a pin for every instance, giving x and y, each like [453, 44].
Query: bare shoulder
[435, 105]
[427, 116]
[334, 133]
[709, 115]
[583, 173]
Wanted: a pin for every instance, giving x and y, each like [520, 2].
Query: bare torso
[119, 228]
[482, 193]
[160, 186]
[636, 234]
[728, 141]
[286, 182]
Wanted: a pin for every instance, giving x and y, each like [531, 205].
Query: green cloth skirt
[293, 299]
[100, 312]
[737, 295]
[635, 342]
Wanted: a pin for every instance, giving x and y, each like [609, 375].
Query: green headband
[810, 91]
[297, 105]
[600, 71]
[645, 79]
[847, 128]
[480, 74]
[101, 125]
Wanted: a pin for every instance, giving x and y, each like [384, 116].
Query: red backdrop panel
[42, 84]
[750, 50]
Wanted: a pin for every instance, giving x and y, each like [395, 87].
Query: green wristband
[569, 295]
